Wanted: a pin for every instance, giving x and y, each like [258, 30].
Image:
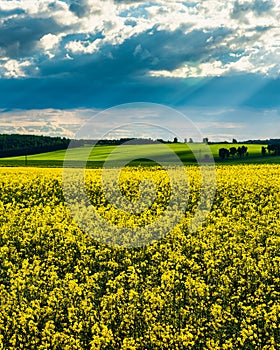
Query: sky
[215, 61]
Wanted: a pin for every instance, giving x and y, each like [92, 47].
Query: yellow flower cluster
[216, 288]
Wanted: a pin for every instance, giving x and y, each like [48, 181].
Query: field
[100, 153]
[215, 288]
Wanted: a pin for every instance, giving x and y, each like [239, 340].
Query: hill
[100, 153]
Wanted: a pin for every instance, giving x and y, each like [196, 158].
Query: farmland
[215, 288]
[99, 154]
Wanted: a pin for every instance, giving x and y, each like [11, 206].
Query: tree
[242, 151]
[234, 141]
[175, 140]
[223, 153]
[274, 148]
[205, 140]
[190, 140]
[263, 151]
[232, 151]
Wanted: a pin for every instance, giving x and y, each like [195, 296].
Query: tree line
[20, 145]
[270, 149]
[233, 151]
[23, 145]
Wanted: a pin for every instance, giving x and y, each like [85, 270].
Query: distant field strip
[100, 153]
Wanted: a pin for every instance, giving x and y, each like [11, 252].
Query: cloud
[49, 41]
[97, 53]
[19, 36]
[91, 91]
[12, 12]
[137, 55]
[79, 8]
[242, 9]
[52, 122]
[242, 123]
[216, 123]
[192, 37]
[15, 69]
[128, 1]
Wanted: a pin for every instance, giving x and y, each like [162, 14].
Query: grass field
[100, 153]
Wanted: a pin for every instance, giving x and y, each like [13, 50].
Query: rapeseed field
[214, 288]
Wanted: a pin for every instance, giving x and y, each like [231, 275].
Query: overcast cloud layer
[90, 54]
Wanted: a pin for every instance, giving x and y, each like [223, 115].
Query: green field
[187, 153]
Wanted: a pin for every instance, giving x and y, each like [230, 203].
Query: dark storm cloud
[19, 35]
[7, 13]
[259, 7]
[151, 50]
[120, 74]
[129, 1]
[130, 22]
[79, 8]
[81, 91]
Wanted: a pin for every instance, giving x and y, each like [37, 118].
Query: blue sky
[217, 62]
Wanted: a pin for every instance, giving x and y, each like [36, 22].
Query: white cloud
[214, 68]
[217, 124]
[15, 69]
[255, 62]
[49, 41]
[82, 46]
[51, 122]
